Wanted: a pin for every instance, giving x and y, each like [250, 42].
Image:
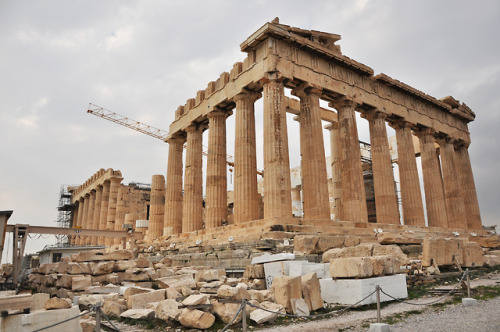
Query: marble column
[84, 225]
[353, 187]
[74, 220]
[468, 187]
[386, 203]
[277, 186]
[113, 197]
[173, 192]
[434, 195]
[315, 196]
[156, 207]
[413, 209]
[454, 200]
[192, 204]
[97, 213]
[296, 202]
[103, 218]
[121, 210]
[81, 210]
[333, 128]
[246, 196]
[90, 215]
[216, 185]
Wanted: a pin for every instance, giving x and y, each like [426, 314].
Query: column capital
[177, 137]
[400, 124]
[445, 139]
[342, 102]
[461, 144]
[305, 89]
[373, 114]
[272, 76]
[332, 126]
[218, 113]
[194, 127]
[424, 131]
[247, 94]
[115, 180]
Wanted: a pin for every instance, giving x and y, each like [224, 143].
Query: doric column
[192, 205]
[157, 207]
[81, 216]
[121, 210]
[413, 209]
[74, 220]
[471, 204]
[86, 216]
[173, 191]
[333, 128]
[455, 209]
[216, 185]
[386, 203]
[353, 188]
[113, 197]
[296, 202]
[434, 195]
[103, 218]
[97, 213]
[277, 197]
[246, 197]
[312, 149]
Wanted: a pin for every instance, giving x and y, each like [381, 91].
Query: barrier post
[244, 315]
[98, 317]
[468, 283]
[377, 288]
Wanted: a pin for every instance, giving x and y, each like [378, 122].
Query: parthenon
[311, 65]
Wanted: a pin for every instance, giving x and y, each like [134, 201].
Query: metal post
[98, 317]
[244, 315]
[377, 288]
[468, 283]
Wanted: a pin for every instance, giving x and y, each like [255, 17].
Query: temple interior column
[113, 197]
[173, 190]
[216, 185]
[97, 213]
[296, 202]
[315, 196]
[246, 196]
[156, 207]
[468, 187]
[455, 209]
[333, 128]
[413, 209]
[103, 218]
[277, 186]
[353, 188]
[434, 195]
[192, 205]
[386, 203]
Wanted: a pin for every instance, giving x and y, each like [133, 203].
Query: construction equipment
[144, 128]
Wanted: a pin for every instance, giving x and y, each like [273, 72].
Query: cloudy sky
[144, 58]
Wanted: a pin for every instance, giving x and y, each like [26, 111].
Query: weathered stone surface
[492, 241]
[62, 268]
[351, 267]
[57, 303]
[442, 251]
[64, 280]
[305, 244]
[124, 265]
[115, 255]
[195, 299]
[491, 260]
[300, 307]
[107, 289]
[262, 295]
[287, 288]
[177, 281]
[142, 263]
[64, 293]
[48, 268]
[88, 300]
[329, 242]
[210, 275]
[38, 301]
[49, 280]
[260, 316]
[87, 256]
[164, 272]
[143, 314]
[105, 279]
[172, 293]
[80, 282]
[234, 293]
[167, 310]
[361, 250]
[311, 291]
[99, 268]
[265, 258]
[113, 309]
[391, 250]
[259, 284]
[130, 291]
[255, 271]
[473, 254]
[74, 268]
[196, 319]
[394, 238]
[226, 312]
[140, 301]
[88, 325]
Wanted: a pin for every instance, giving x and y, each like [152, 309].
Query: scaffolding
[64, 215]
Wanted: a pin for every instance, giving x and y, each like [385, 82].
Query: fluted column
[296, 202]
[90, 215]
[246, 197]
[455, 209]
[434, 195]
[84, 225]
[121, 210]
[315, 197]
[103, 217]
[74, 220]
[413, 209]
[173, 191]
[81, 211]
[386, 203]
[216, 190]
[353, 187]
[157, 207]
[192, 204]
[333, 128]
[277, 197]
[468, 187]
[97, 213]
[113, 197]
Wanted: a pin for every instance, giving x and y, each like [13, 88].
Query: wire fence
[97, 308]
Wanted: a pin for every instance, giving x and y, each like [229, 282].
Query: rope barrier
[109, 321]
[237, 313]
[67, 320]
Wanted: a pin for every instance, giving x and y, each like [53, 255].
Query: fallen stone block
[351, 267]
[305, 244]
[140, 301]
[168, 310]
[260, 316]
[274, 270]
[473, 254]
[361, 250]
[492, 241]
[113, 309]
[287, 288]
[300, 307]
[255, 271]
[41, 319]
[226, 312]
[261, 295]
[142, 263]
[210, 275]
[87, 325]
[80, 282]
[442, 251]
[143, 314]
[491, 260]
[57, 303]
[38, 301]
[108, 289]
[234, 293]
[196, 319]
[177, 281]
[195, 299]
[99, 268]
[124, 265]
[311, 291]
[272, 258]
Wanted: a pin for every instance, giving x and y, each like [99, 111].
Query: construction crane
[144, 128]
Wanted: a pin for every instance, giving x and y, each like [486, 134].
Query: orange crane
[144, 128]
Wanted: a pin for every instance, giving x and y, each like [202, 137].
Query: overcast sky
[145, 58]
